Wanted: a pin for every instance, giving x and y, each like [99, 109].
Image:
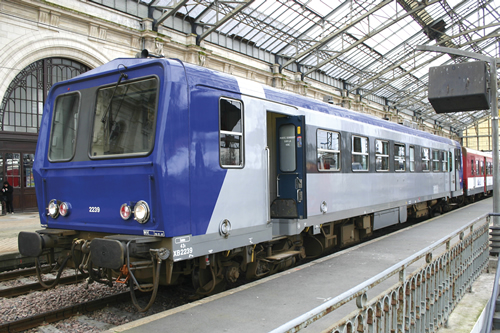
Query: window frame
[426, 161]
[367, 154]
[155, 121]
[444, 160]
[79, 95]
[398, 157]
[382, 156]
[412, 161]
[225, 132]
[318, 149]
[435, 160]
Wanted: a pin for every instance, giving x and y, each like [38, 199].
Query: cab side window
[231, 133]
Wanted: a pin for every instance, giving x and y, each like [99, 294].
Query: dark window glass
[125, 119]
[328, 150]
[399, 157]
[288, 153]
[412, 159]
[28, 180]
[444, 161]
[425, 159]
[13, 165]
[435, 160]
[381, 155]
[359, 153]
[231, 133]
[64, 125]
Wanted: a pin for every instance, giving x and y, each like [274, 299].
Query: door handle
[299, 195]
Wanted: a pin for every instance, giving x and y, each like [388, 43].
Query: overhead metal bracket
[231, 13]
[167, 11]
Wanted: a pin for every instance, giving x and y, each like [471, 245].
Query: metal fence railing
[419, 301]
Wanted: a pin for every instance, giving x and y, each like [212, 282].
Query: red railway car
[477, 173]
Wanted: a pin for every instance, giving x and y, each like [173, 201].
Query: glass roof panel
[368, 44]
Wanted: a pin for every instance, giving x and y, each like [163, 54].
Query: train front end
[103, 177]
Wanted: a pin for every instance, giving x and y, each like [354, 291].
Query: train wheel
[313, 246]
[207, 281]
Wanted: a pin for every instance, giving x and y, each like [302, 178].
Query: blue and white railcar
[156, 169]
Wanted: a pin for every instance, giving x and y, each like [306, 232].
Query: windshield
[124, 119]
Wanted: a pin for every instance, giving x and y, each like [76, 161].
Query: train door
[485, 174]
[457, 170]
[290, 199]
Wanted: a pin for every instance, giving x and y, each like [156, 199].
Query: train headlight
[125, 211]
[141, 212]
[53, 208]
[64, 208]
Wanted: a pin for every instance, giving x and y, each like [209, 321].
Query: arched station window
[20, 117]
[22, 106]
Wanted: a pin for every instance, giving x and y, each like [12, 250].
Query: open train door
[290, 200]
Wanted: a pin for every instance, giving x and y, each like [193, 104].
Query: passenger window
[477, 168]
[359, 153]
[328, 150]
[64, 124]
[399, 157]
[425, 159]
[444, 161]
[482, 168]
[435, 160]
[381, 155]
[412, 159]
[472, 167]
[231, 133]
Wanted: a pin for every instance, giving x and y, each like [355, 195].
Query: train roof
[204, 76]
[478, 152]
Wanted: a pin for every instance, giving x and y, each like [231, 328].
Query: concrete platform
[266, 304]
[10, 226]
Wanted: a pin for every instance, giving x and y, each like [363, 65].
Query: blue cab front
[100, 161]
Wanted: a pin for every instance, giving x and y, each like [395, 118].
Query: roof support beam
[368, 36]
[241, 5]
[331, 36]
[168, 11]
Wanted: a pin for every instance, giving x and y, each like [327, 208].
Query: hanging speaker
[460, 87]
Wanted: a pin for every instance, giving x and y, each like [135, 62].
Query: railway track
[5, 276]
[63, 313]
[27, 288]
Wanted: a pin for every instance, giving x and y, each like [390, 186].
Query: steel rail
[24, 289]
[17, 274]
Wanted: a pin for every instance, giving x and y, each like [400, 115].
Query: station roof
[367, 47]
